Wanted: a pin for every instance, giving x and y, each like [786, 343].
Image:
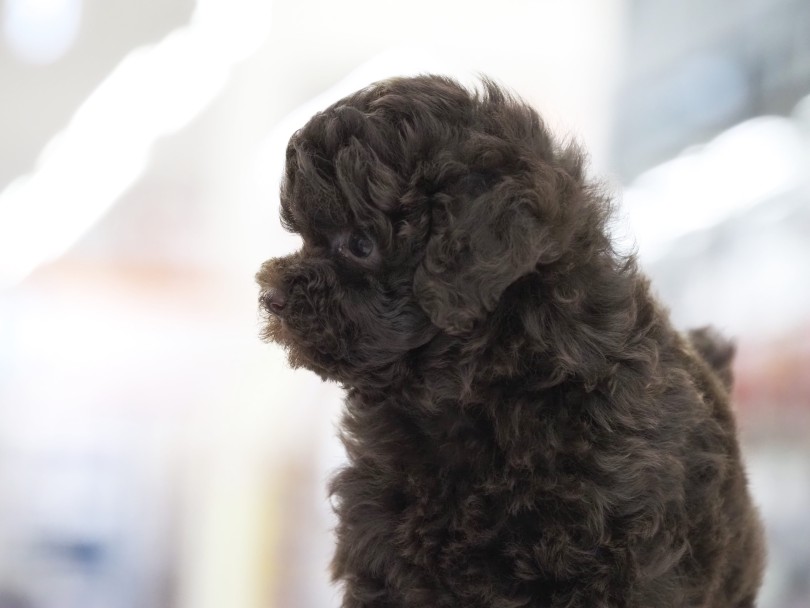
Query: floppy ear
[479, 245]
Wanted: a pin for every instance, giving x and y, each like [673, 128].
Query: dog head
[420, 204]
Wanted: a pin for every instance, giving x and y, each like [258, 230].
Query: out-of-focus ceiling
[37, 100]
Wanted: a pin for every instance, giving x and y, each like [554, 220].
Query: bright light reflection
[41, 31]
[747, 164]
[153, 92]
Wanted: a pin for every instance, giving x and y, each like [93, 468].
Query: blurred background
[153, 453]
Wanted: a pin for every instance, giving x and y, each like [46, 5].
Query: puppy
[524, 427]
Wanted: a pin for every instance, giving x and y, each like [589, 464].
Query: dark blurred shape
[84, 553]
[11, 599]
[693, 69]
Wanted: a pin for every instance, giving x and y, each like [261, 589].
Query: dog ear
[482, 240]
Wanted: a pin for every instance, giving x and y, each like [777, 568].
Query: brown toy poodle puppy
[524, 426]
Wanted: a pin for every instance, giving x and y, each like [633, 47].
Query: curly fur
[524, 426]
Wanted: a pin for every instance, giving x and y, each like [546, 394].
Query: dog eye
[360, 246]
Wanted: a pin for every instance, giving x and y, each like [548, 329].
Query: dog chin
[275, 330]
[278, 330]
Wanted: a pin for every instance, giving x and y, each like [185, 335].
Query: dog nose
[274, 300]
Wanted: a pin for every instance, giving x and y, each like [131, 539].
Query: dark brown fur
[524, 426]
